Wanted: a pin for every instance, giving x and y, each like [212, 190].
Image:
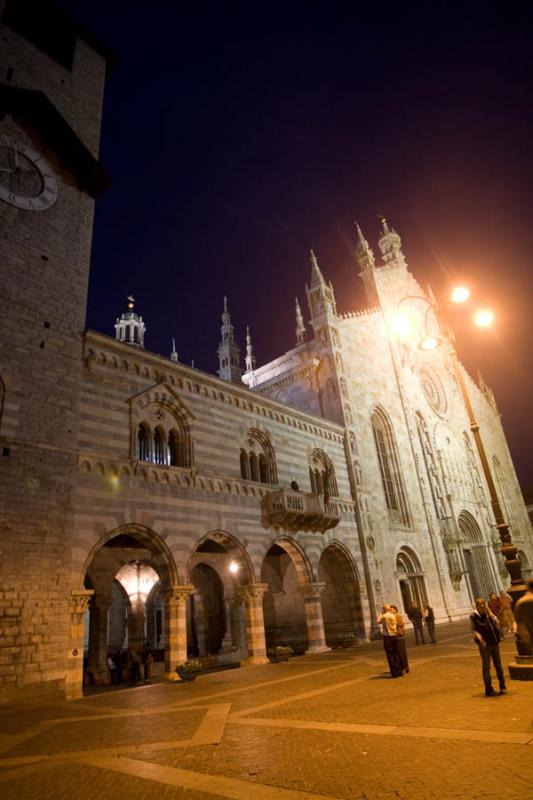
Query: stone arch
[287, 571]
[411, 578]
[233, 548]
[481, 580]
[341, 598]
[217, 569]
[135, 552]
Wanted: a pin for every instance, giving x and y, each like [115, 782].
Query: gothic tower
[51, 86]
[229, 351]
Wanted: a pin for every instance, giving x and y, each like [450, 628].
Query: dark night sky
[237, 136]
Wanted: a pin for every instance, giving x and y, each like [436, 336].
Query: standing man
[415, 615]
[400, 639]
[387, 621]
[487, 637]
[429, 619]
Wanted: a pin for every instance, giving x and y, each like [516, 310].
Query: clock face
[26, 178]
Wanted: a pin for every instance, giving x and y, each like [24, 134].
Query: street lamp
[424, 336]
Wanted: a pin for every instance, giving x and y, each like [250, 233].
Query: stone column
[255, 624]
[136, 627]
[79, 603]
[100, 604]
[175, 600]
[311, 593]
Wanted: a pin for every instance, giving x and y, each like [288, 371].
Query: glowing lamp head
[429, 343]
[460, 294]
[483, 318]
[233, 567]
[400, 324]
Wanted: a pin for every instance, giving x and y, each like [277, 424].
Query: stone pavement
[314, 728]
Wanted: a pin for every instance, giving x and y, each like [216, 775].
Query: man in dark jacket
[415, 615]
[487, 637]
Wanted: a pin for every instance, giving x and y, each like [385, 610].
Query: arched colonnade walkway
[132, 599]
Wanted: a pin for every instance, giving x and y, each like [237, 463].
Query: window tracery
[389, 465]
[257, 458]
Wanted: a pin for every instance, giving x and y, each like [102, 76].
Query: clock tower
[51, 87]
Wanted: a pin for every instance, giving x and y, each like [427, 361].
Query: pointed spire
[316, 275]
[228, 350]
[300, 324]
[249, 359]
[364, 253]
[174, 355]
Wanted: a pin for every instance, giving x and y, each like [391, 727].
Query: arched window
[159, 447]
[431, 466]
[245, 466]
[263, 469]
[389, 466]
[254, 470]
[503, 494]
[258, 463]
[143, 442]
[322, 475]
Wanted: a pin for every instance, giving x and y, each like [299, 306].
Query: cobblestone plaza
[326, 726]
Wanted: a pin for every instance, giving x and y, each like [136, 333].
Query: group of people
[125, 666]
[393, 631]
[488, 621]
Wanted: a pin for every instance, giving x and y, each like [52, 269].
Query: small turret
[130, 328]
[229, 353]
[390, 245]
[300, 324]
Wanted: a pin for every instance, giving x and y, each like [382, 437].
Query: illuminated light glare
[429, 343]
[400, 324]
[233, 567]
[483, 318]
[114, 480]
[460, 294]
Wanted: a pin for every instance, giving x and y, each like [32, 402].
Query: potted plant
[347, 639]
[188, 670]
[281, 652]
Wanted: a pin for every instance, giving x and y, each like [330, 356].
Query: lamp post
[429, 340]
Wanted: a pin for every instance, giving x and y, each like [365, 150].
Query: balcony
[296, 511]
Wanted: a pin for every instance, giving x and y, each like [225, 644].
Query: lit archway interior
[341, 600]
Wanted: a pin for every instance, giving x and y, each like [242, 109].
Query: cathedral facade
[149, 505]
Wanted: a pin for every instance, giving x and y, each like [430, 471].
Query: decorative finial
[174, 355]
[300, 324]
[131, 302]
[249, 359]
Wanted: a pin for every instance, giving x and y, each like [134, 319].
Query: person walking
[415, 615]
[507, 617]
[429, 619]
[400, 636]
[486, 633]
[387, 621]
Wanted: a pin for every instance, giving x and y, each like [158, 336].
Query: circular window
[433, 389]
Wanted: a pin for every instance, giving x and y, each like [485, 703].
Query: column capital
[312, 591]
[178, 593]
[79, 600]
[253, 591]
